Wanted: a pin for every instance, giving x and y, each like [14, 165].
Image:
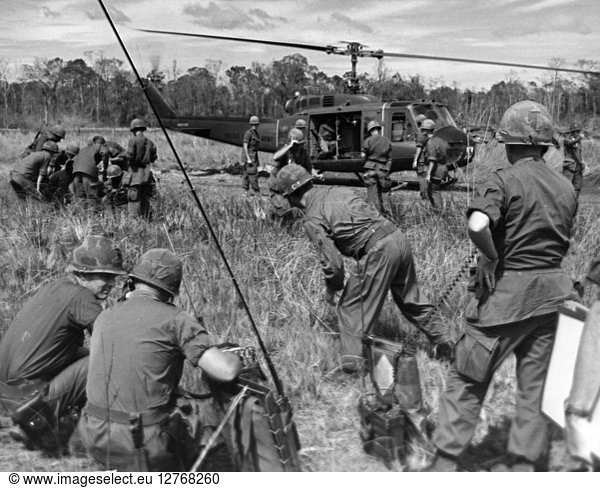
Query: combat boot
[39, 424]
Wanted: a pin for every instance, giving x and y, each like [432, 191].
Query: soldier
[114, 194]
[573, 165]
[136, 362]
[117, 154]
[521, 223]
[28, 180]
[438, 172]
[57, 189]
[327, 141]
[87, 181]
[139, 181]
[419, 161]
[377, 155]
[43, 364]
[338, 222]
[250, 163]
[55, 133]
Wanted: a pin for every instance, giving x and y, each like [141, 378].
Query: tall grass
[280, 275]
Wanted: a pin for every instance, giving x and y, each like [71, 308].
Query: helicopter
[344, 116]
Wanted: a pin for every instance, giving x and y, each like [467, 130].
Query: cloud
[46, 12]
[524, 26]
[344, 19]
[228, 17]
[93, 11]
[544, 4]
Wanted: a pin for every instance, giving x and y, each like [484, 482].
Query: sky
[520, 31]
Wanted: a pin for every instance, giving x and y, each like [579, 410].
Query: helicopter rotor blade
[241, 39]
[481, 61]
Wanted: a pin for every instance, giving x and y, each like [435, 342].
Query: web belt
[149, 417]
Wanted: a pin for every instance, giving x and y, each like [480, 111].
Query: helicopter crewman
[87, 180]
[377, 154]
[573, 165]
[340, 223]
[56, 133]
[43, 364]
[147, 337]
[521, 222]
[438, 171]
[419, 161]
[139, 180]
[250, 163]
[30, 178]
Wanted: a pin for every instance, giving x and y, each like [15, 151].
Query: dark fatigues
[138, 180]
[422, 165]
[44, 344]
[57, 190]
[86, 183]
[435, 152]
[24, 180]
[531, 210]
[338, 222]
[250, 169]
[136, 362]
[378, 164]
[38, 142]
[573, 162]
[117, 154]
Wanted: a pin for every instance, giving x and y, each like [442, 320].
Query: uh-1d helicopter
[344, 115]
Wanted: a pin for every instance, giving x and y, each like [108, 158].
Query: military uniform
[573, 162]
[117, 154]
[42, 349]
[435, 153]
[338, 222]
[136, 362]
[421, 142]
[250, 168]
[378, 164]
[138, 179]
[298, 155]
[531, 210]
[24, 180]
[86, 182]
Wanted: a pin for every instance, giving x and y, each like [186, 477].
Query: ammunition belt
[149, 417]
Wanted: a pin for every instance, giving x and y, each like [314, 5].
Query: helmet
[373, 124]
[300, 124]
[420, 118]
[296, 134]
[58, 131]
[72, 149]
[114, 171]
[97, 254]
[526, 122]
[98, 140]
[291, 178]
[50, 146]
[159, 268]
[254, 120]
[427, 124]
[137, 124]
[574, 127]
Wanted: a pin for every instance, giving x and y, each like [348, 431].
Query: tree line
[101, 91]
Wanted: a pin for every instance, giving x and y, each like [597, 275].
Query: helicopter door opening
[336, 136]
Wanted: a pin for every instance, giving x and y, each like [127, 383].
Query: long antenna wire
[272, 370]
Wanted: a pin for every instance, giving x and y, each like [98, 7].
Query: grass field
[281, 278]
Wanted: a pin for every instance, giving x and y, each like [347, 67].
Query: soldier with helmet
[521, 222]
[114, 194]
[250, 163]
[438, 170]
[377, 155]
[573, 164]
[57, 190]
[139, 180]
[43, 364]
[28, 179]
[56, 133]
[87, 180]
[137, 353]
[340, 223]
[419, 160]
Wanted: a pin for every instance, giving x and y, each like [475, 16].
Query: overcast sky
[521, 31]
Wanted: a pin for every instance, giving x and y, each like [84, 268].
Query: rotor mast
[354, 50]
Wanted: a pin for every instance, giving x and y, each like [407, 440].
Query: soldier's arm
[245, 146]
[481, 235]
[331, 259]
[388, 163]
[280, 154]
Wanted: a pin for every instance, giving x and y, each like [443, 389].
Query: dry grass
[281, 278]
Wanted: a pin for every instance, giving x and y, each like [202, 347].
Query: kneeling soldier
[43, 364]
[136, 416]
